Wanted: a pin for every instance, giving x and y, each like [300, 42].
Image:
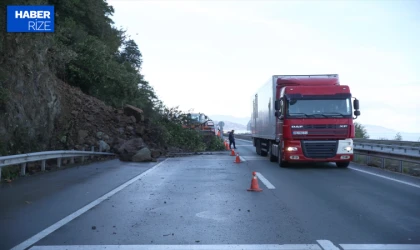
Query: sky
[212, 56]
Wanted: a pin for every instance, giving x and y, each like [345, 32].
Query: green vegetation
[88, 51]
[398, 137]
[169, 131]
[360, 131]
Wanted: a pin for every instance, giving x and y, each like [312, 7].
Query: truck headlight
[348, 148]
[291, 148]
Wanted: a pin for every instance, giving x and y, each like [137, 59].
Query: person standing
[232, 139]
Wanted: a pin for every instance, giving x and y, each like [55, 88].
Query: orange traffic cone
[227, 146]
[254, 184]
[238, 159]
[232, 152]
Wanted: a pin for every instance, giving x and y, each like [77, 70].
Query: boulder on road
[130, 148]
[142, 155]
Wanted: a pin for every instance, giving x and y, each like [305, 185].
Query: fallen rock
[142, 155]
[129, 148]
[140, 129]
[99, 135]
[103, 146]
[117, 143]
[156, 153]
[81, 135]
[133, 111]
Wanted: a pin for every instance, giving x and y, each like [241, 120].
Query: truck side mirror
[356, 104]
[277, 105]
[277, 114]
[357, 112]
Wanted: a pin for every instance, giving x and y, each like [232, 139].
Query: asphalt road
[202, 202]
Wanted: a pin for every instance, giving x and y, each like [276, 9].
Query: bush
[214, 144]
[168, 131]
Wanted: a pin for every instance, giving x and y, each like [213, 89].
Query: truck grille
[319, 149]
[321, 126]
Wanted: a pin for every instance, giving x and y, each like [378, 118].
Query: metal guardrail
[365, 148]
[23, 159]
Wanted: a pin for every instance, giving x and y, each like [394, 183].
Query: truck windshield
[195, 117]
[322, 108]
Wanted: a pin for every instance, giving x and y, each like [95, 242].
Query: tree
[360, 131]
[398, 137]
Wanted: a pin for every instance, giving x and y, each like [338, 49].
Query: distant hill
[239, 128]
[379, 132]
[239, 120]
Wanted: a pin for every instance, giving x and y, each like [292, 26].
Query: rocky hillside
[80, 87]
[47, 115]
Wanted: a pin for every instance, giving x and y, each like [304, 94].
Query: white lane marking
[242, 159]
[265, 181]
[37, 237]
[327, 245]
[385, 177]
[183, 247]
[380, 246]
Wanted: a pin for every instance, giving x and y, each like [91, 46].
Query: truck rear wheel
[258, 147]
[342, 164]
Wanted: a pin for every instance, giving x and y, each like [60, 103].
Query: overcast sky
[213, 55]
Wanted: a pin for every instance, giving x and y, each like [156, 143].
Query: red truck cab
[312, 120]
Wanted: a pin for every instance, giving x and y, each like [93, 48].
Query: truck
[201, 123]
[304, 118]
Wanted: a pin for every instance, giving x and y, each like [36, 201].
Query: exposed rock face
[48, 114]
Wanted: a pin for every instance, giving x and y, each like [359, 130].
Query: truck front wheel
[342, 164]
[281, 163]
[273, 158]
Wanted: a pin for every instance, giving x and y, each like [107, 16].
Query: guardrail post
[59, 162]
[83, 158]
[93, 150]
[382, 163]
[72, 158]
[400, 166]
[22, 169]
[43, 165]
[367, 159]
